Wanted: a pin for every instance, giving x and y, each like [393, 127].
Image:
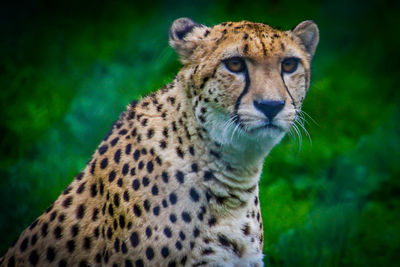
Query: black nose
[269, 107]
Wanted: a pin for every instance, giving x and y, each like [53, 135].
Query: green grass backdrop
[68, 68]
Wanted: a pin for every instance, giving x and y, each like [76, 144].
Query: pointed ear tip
[307, 24]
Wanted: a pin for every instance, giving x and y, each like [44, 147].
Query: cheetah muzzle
[175, 182]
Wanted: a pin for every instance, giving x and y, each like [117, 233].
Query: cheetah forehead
[195, 42]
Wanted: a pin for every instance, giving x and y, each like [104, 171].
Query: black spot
[33, 239]
[134, 239]
[93, 190]
[212, 221]
[179, 177]
[98, 258]
[150, 133]
[95, 214]
[133, 171]
[116, 245]
[150, 167]
[196, 232]
[207, 251]
[146, 205]
[149, 253]
[179, 152]
[83, 263]
[124, 248]
[122, 221]
[163, 144]
[186, 217]
[117, 156]
[167, 232]
[172, 264]
[173, 198]
[101, 188]
[208, 175]
[125, 169]
[116, 200]
[139, 263]
[137, 210]
[67, 202]
[62, 263]
[164, 176]
[154, 190]
[93, 167]
[156, 210]
[104, 163]
[165, 252]
[111, 176]
[136, 154]
[191, 150]
[194, 195]
[11, 261]
[34, 257]
[114, 141]
[57, 232]
[148, 231]
[145, 181]
[172, 218]
[24, 244]
[109, 232]
[119, 182]
[182, 235]
[110, 210]
[136, 184]
[103, 149]
[74, 230]
[178, 245]
[140, 165]
[61, 217]
[53, 215]
[66, 191]
[195, 168]
[164, 203]
[122, 132]
[81, 188]
[45, 229]
[87, 243]
[33, 225]
[80, 211]
[50, 254]
[128, 149]
[159, 161]
[71, 245]
[96, 232]
[126, 196]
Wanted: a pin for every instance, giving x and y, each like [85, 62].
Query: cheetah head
[246, 81]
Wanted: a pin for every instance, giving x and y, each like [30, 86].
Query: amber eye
[235, 64]
[289, 65]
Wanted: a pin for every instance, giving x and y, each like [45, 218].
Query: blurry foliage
[68, 69]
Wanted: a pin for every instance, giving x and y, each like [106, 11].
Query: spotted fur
[175, 182]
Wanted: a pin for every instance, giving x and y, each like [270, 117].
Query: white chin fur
[226, 132]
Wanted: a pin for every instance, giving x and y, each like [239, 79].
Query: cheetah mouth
[268, 126]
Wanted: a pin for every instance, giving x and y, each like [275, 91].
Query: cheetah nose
[269, 107]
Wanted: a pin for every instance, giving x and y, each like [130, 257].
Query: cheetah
[175, 182]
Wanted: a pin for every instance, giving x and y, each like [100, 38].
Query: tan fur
[180, 185]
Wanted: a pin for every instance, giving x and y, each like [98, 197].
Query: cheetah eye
[235, 64]
[289, 65]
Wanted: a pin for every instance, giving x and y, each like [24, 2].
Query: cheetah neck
[236, 162]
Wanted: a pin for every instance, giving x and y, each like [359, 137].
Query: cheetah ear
[185, 35]
[308, 33]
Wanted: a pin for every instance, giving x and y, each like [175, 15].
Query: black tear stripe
[287, 90]
[244, 92]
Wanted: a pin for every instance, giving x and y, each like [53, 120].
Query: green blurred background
[67, 69]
